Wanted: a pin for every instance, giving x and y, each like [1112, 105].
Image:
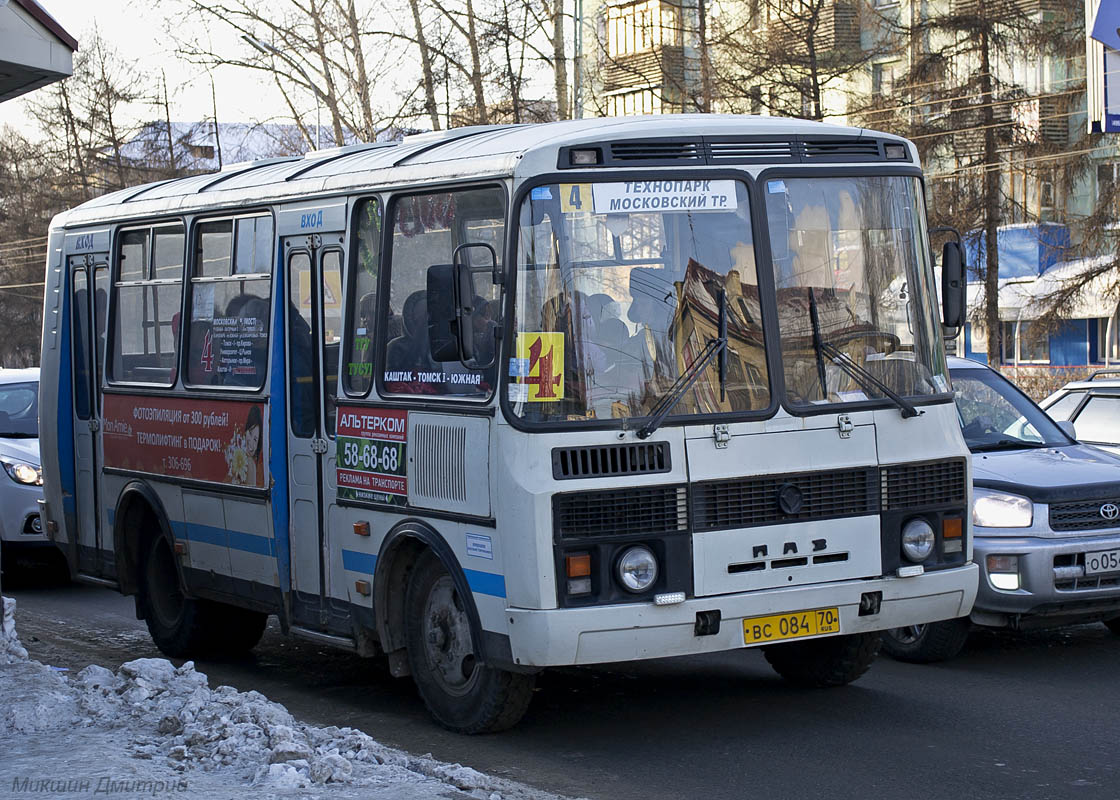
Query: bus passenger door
[90, 286]
[314, 323]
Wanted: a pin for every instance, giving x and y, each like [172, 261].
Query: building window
[1033, 345]
[1046, 209]
[643, 101]
[756, 100]
[1106, 187]
[641, 27]
[1105, 348]
[884, 75]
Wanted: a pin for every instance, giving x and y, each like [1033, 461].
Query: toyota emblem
[1110, 511]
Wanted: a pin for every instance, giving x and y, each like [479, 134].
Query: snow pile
[196, 727]
[151, 712]
[10, 648]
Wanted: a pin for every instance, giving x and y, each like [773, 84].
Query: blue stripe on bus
[278, 426]
[64, 398]
[359, 562]
[486, 582]
[220, 537]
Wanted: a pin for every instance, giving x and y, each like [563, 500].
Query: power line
[1001, 165]
[21, 285]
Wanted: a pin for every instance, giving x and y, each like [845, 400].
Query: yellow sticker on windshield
[545, 355]
[575, 197]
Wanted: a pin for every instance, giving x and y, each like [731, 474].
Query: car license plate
[1104, 561]
[775, 628]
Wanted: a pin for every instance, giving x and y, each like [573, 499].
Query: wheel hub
[447, 638]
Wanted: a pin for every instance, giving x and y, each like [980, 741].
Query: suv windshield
[619, 292]
[854, 287]
[997, 416]
[19, 410]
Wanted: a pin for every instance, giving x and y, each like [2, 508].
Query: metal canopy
[36, 50]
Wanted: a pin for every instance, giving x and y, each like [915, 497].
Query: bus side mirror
[953, 286]
[443, 342]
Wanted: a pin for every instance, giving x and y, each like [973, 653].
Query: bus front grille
[648, 510]
[747, 502]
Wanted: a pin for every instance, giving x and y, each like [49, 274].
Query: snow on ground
[152, 729]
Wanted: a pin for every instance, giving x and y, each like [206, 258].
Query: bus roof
[680, 140]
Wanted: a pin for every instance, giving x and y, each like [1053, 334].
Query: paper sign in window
[545, 355]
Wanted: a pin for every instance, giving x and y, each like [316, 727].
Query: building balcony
[658, 66]
[837, 29]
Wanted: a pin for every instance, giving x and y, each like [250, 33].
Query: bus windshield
[619, 291]
[856, 306]
[621, 285]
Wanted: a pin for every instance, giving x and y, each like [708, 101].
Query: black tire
[834, 661]
[928, 643]
[461, 693]
[1113, 625]
[183, 627]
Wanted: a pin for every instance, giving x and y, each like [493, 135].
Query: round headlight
[637, 569]
[917, 539]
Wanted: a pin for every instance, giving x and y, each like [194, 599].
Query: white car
[21, 485]
[1093, 406]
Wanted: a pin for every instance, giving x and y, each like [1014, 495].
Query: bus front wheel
[834, 661]
[183, 627]
[463, 694]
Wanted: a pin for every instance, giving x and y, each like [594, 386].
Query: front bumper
[556, 637]
[1052, 581]
[19, 522]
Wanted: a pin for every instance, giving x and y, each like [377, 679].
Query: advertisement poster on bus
[221, 441]
[372, 455]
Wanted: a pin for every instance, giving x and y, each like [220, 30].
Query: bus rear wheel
[834, 661]
[183, 627]
[463, 694]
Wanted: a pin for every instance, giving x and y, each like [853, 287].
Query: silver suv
[1045, 516]
[1093, 406]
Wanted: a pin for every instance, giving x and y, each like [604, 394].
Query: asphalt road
[1031, 715]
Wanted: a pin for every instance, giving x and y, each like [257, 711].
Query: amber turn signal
[578, 566]
[952, 528]
[361, 528]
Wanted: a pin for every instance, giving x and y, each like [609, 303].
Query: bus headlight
[917, 540]
[637, 569]
[24, 473]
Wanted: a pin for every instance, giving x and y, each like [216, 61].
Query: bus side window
[148, 289]
[426, 231]
[231, 283]
[357, 376]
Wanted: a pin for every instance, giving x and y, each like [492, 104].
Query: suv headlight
[1000, 510]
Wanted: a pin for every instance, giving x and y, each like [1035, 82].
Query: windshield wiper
[1007, 444]
[860, 375]
[680, 387]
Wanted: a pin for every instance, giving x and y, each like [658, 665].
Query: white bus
[501, 398]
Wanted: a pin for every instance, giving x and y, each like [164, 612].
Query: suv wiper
[1008, 444]
[860, 375]
[680, 387]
